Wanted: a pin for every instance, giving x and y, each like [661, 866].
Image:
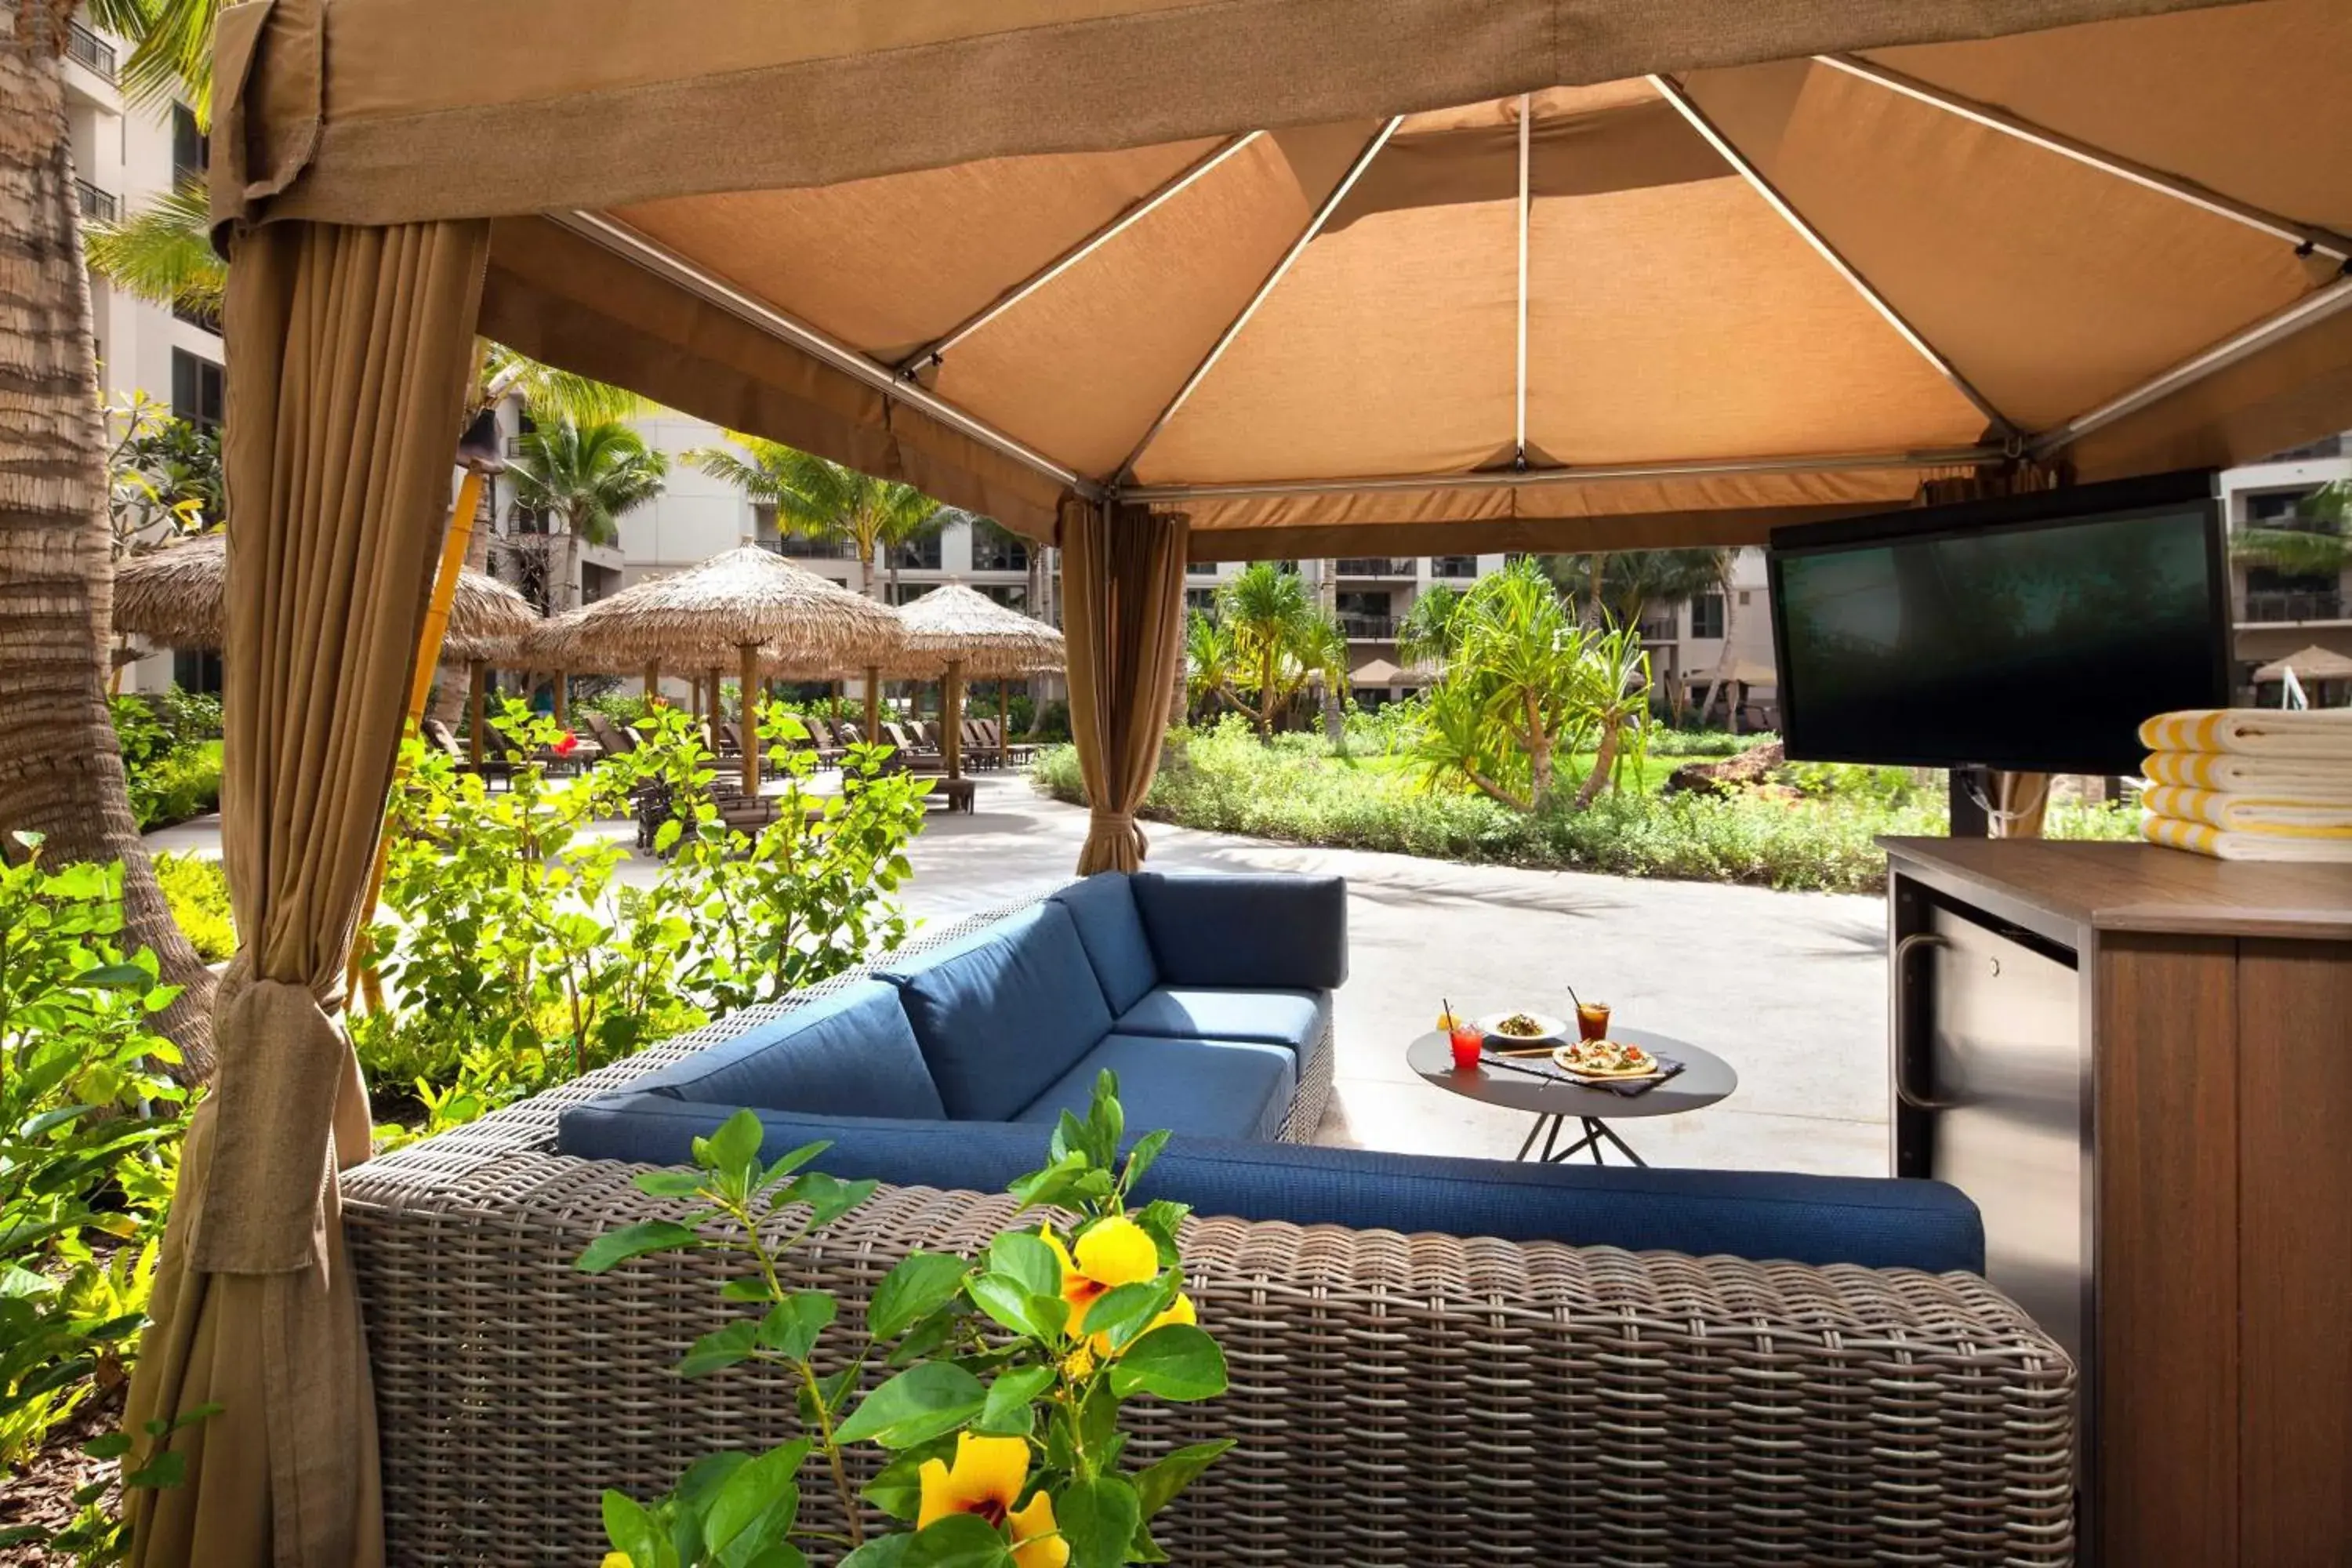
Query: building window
[1201, 599]
[199, 391]
[1706, 615]
[197, 670]
[996, 548]
[1011, 596]
[916, 554]
[1454, 566]
[191, 152]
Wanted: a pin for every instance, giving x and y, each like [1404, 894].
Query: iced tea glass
[1592, 1020]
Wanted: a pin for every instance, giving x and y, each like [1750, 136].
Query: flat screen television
[2032, 633]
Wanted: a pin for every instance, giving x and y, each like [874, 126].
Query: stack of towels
[2251, 783]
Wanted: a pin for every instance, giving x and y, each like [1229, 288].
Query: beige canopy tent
[959, 634]
[1154, 280]
[1382, 672]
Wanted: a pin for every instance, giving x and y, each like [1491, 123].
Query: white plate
[1555, 1029]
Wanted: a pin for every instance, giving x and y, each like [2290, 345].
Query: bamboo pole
[750, 725]
[359, 975]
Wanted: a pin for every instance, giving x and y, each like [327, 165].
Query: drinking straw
[1574, 997]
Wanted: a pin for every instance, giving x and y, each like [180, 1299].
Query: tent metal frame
[2302, 236]
[1672, 91]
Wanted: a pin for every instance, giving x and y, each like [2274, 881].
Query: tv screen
[2031, 634]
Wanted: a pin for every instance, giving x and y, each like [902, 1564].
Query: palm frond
[171, 51]
[553, 394]
[162, 253]
[2299, 551]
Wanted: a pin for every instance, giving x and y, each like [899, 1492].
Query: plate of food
[1523, 1028]
[1606, 1059]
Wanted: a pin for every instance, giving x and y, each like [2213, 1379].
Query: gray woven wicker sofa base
[1434, 1361]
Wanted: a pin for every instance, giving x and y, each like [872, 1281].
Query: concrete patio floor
[1788, 987]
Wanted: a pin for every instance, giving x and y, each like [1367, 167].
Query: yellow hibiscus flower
[986, 1480]
[617, 1560]
[1117, 1252]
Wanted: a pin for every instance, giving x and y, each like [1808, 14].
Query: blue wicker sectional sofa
[1434, 1361]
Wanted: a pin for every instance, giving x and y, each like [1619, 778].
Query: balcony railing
[87, 48]
[97, 205]
[2273, 606]
[799, 547]
[1455, 566]
[1377, 627]
[1375, 567]
[1200, 569]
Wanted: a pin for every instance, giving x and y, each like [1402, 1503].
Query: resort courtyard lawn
[1810, 828]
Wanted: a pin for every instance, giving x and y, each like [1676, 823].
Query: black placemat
[1546, 1069]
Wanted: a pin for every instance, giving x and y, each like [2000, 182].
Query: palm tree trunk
[1604, 762]
[60, 773]
[1723, 658]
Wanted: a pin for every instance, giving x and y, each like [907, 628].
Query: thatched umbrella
[956, 633]
[174, 598]
[744, 606]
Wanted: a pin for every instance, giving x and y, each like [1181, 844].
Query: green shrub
[197, 890]
[1666, 742]
[170, 754]
[180, 784]
[87, 1125]
[1296, 790]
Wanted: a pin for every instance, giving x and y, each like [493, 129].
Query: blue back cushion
[1874, 1221]
[1112, 933]
[1004, 1012]
[1252, 929]
[849, 1054]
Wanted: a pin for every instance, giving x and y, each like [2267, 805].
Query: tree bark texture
[61, 772]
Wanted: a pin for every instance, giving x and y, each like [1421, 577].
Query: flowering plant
[1007, 1371]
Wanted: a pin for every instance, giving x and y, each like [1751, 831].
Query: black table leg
[1596, 1133]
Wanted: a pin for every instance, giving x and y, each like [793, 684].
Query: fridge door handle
[1903, 1089]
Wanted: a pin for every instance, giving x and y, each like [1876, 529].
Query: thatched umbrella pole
[751, 679]
[1002, 743]
[951, 718]
[710, 712]
[653, 678]
[563, 698]
[873, 705]
[477, 675]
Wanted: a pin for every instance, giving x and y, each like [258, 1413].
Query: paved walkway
[1789, 987]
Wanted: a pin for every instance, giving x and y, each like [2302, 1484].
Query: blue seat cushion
[1202, 1088]
[849, 1054]
[1293, 1019]
[1104, 909]
[1261, 930]
[1004, 1012]
[1876, 1222]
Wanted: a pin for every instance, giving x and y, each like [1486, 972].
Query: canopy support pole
[1672, 91]
[951, 718]
[1282, 267]
[1133, 214]
[2325, 241]
[750, 725]
[1519, 378]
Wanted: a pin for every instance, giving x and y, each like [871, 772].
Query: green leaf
[755, 1509]
[915, 1406]
[1027, 1259]
[828, 1198]
[108, 1446]
[1002, 1298]
[788, 1162]
[1139, 1159]
[884, 1551]
[1053, 1184]
[920, 1285]
[748, 1288]
[793, 1324]
[1122, 1310]
[1007, 1413]
[161, 1473]
[734, 1146]
[1175, 1361]
[1163, 1220]
[1098, 1519]
[1156, 1485]
[115, 977]
[719, 1349]
[630, 1529]
[668, 1183]
[959, 1541]
[632, 1241]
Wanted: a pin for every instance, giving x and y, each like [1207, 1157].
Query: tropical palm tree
[1426, 634]
[2322, 550]
[1208, 665]
[1614, 692]
[1622, 585]
[586, 476]
[1515, 694]
[1281, 638]
[817, 499]
[61, 773]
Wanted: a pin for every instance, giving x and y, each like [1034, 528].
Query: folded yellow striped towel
[2237, 813]
[2311, 781]
[2322, 733]
[2202, 838]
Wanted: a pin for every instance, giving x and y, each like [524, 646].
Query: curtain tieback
[1104, 820]
[284, 1071]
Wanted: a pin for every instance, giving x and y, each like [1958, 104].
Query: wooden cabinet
[2196, 1250]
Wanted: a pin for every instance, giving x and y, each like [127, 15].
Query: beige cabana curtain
[1123, 597]
[351, 350]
